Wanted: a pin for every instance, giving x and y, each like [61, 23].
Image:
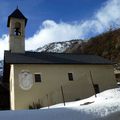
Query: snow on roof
[105, 107]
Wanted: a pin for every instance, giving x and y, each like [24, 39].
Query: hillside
[106, 45]
[60, 47]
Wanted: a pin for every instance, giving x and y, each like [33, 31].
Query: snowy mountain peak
[59, 47]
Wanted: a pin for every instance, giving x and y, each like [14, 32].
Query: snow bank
[105, 107]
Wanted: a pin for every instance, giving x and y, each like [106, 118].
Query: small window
[96, 87]
[117, 75]
[70, 76]
[37, 78]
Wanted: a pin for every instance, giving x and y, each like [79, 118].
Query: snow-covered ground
[105, 107]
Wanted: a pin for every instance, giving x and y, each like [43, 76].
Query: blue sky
[59, 20]
[38, 11]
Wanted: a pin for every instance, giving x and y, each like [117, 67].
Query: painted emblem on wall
[25, 80]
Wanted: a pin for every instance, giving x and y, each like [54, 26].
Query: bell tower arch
[16, 24]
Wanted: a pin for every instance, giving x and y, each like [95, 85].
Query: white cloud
[53, 32]
[50, 31]
[109, 13]
[3, 44]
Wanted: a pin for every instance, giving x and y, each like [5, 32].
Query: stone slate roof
[49, 58]
[52, 58]
[16, 14]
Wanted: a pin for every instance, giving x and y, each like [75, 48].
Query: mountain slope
[59, 47]
[106, 45]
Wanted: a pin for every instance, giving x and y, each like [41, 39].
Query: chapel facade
[50, 78]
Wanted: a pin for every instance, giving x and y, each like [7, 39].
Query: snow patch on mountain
[58, 47]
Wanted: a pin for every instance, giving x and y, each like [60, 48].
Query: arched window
[17, 29]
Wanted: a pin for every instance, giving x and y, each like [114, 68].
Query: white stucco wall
[53, 76]
[12, 90]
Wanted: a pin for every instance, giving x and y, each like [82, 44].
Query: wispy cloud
[109, 13]
[51, 31]
[3, 44]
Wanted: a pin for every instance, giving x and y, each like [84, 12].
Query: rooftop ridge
[16, 14]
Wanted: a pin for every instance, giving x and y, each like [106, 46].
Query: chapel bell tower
[16, 23]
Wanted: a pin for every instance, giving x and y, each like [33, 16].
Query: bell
[17, 31]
